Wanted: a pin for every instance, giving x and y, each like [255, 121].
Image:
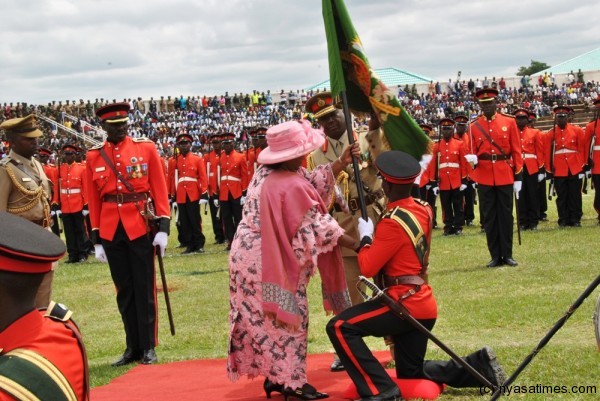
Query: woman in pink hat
[286, 233]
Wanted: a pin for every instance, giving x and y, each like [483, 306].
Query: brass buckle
[353, 204]
[120, 198]
[494, 157]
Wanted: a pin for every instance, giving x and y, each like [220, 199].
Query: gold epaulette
[310, 163]
[421, 201]
[507, 115]
[141, 139]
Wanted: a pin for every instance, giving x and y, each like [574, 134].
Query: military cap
[486, 94]
[397, 167]
[320, 104]
[532, 115]
[522, 113]
[447, 122]
[215, 137]
[561, 110]
[70, 148]
[260, 132]
[114, 112]
[25, 247]
[44, 152]
[184, 137]
[461, 119]
[227, 137]
[426, 128]
[24, 126]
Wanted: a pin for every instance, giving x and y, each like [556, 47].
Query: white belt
[69, 191]
[529, 156]
[596, 147]
[230, 178]
[454, 165]
[211, 174]
[564, 150]
[187, 179]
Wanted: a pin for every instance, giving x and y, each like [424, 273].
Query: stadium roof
[589, 61]
[389, 76]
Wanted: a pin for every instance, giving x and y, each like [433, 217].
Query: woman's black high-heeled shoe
[269, 387]
[306, 392]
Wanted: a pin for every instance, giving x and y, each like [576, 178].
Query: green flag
[350, 71]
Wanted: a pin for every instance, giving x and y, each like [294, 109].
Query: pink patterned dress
[257, 345]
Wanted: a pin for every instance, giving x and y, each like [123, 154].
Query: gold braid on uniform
[310, 163]
[342, 182]
[35, 196]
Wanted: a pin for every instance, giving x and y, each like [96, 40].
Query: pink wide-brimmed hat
[289, 140]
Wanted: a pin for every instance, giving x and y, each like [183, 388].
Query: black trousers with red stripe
[347, 330]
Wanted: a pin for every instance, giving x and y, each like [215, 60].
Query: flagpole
[357, 180]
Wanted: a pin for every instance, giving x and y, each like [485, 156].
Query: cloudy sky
[72, 49]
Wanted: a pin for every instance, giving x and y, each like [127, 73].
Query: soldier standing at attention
[498, 166]
[592, 147]
[187, 182]
[213, 172]
[126, 181]
[25, 190]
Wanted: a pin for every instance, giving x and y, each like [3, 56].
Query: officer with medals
[25, 190]
[397, 252]
[42, 356]
[126, 182]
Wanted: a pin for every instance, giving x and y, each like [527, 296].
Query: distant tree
[536, 66]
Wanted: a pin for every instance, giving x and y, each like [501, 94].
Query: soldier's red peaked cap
[227, 137]
[114, 112]
[397, 167]
[521, 113]
[26, 247]
[461, 119]
[426, 127]
[561, 110]
[72, 148]
[486, 94]
[184, 137]
[532, 115]
[447, 122]
[44, 151]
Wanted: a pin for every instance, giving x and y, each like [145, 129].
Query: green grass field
[509, 309]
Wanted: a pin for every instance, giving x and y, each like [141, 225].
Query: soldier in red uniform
[592, 147]
[565, 158]
[402, 265]
[542, 198]
[187, 182]
[70, 203]
[533, 171]
[232, 186]
[259, 142]
[213, 172]
[498, 166]
[124, 175]
[42, 356]
[52, 173]
[426, 191]
[448, 175]
[462, 126]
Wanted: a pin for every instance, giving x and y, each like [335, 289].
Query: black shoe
[149, 357]
[337, 366]
[510, 262]
[494, 262]
[228, 247]
[269, 387]
[81, 260]
[576, 224]
[458, 231]
[533, 227]
[306, 392]
[469, 223]
[493, 372]
[129, 356]
[392, 394]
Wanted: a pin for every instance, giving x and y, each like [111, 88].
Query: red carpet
[207, 380]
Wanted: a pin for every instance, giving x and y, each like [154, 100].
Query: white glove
[99, 253]
[203, 201]
[425, 160]
[242, 200]
[85, 212]
[462, 187]
[161, 240]
[517, 187]
[580, 176]
[588, 174]
[436, 190]
[365, 227]
[216, 202]
[541, 177]
[52, 213]
[58, 213]
[472, 159]
[474, 185]
[427, 187]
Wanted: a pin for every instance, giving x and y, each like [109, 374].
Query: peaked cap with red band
[184, 137]
[397, 167]
[44, 152]
[447, 122]
[114, 113]
[521, 113]
[320, 104]
[26, 247]
[461, 119]
[486, 94]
